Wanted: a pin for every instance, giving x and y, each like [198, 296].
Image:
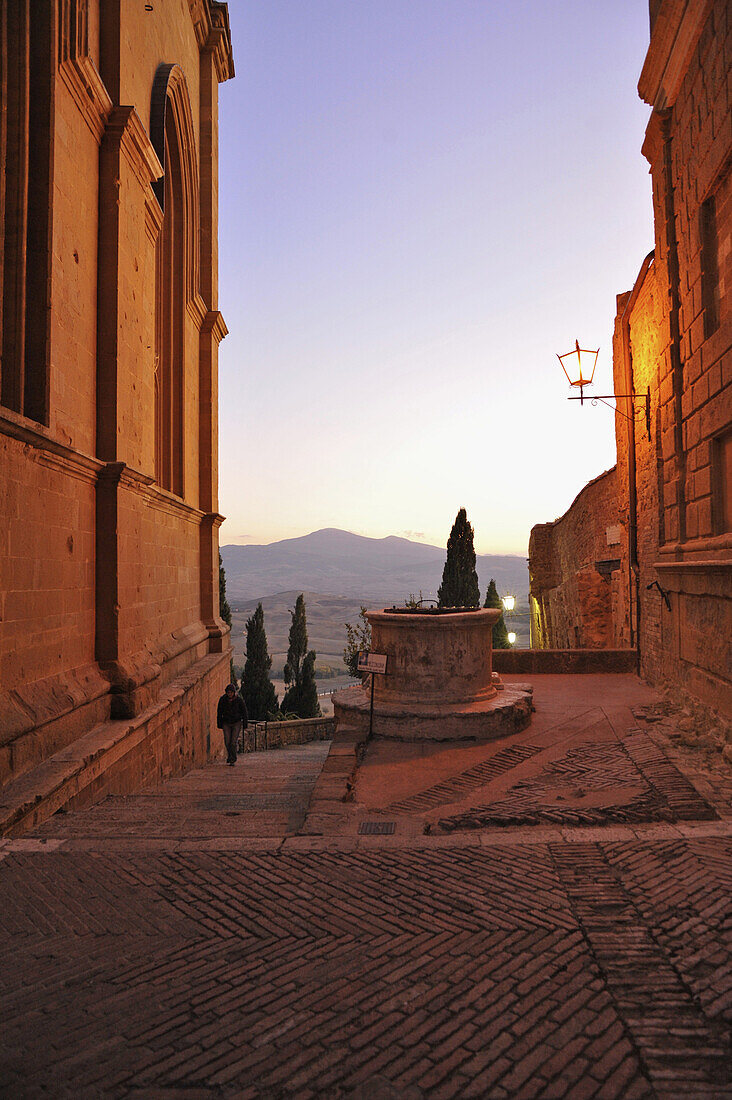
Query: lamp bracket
[605, 397]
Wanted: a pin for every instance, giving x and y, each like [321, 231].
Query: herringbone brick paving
[150, 947]
[501, 972]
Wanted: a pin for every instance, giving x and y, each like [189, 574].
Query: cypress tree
[225, 611]
[301, 697]
[500, 634]
[309, 705]
[459, 586]
[297, 642]
[257, 689]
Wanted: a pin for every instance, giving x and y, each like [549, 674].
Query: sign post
[375, 663]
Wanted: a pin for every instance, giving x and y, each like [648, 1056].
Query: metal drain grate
[376, 828]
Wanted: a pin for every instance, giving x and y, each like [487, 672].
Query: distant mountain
[343, 564]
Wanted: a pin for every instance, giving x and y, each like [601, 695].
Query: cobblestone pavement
[195, 942]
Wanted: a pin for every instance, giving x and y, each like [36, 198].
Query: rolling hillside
[338, 572]
[379, 571]
[326, 617]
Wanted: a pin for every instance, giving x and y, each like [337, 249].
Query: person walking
[231, 716]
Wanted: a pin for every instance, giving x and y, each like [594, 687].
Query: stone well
[439, 683]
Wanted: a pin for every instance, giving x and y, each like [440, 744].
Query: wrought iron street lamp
[579, 367]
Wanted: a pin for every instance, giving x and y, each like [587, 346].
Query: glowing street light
[579, 368]
[509, 602]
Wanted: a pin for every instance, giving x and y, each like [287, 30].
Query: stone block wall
[673, 341]
[159, 582]
[563, 662]
[50, 684]
[576, 584]
[108, 570]
[280, 735]
[679, 342]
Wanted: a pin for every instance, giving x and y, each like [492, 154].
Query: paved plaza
[542, 916]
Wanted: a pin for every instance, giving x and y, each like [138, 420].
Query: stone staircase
[120, 755]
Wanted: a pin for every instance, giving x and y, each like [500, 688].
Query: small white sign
[613, 536]
[371, 662]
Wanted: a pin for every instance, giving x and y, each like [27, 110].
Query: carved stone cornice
[657, 132]
[88, 91]
[153, 217]
[125, 128]
[163, 501]
[212, 520]
[49, 450]
[135, 479]
[675, 35]
[214, 323]
[709, 549]
[196, 309]
[211, 24]
[120, 475]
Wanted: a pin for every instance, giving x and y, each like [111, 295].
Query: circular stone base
[506, 713]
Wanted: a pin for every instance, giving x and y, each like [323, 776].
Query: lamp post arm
[605, 397]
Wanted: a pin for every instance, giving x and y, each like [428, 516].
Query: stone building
[673, 341]
[112, 651]
[577, 601]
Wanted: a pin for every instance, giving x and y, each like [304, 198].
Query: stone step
[76, 774]
[51, 785]
[335, 782]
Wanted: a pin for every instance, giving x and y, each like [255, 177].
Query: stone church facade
[112, 650]
[672, 568]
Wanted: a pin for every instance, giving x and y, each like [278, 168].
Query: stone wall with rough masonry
[564, 662]
[678, 342]
[278, 735]
[673, 343]
[575, 580]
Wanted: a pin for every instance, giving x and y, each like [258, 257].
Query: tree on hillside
[225, 611]
[257, 689]
[301, 696]
[500, 634]
[459, 586]
[358, 638]
[297, 641]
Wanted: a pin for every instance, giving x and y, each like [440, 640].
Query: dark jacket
[230, 711]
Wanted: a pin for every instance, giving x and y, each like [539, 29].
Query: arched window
[27, 75]
[172, 135]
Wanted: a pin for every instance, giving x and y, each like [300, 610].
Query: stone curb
[504, 714]
[333, 785]
[320, 842]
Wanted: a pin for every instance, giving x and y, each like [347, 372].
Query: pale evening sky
[421, 203]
